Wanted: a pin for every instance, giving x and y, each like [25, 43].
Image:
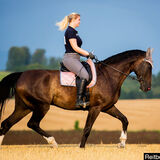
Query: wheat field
[73, 152]
[141, 114]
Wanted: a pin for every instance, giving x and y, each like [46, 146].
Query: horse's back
[37, 77]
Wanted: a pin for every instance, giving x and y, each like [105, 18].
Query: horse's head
[143, 70]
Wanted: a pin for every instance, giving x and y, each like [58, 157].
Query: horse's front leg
[92, 115]
[113, 111]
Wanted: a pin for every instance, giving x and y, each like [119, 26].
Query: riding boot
[86, 95]
[81, 88]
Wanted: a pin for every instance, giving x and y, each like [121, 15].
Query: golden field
[73, 152]
[141, 114]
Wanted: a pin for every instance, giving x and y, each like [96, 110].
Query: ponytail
[67, 19]
[63, 24]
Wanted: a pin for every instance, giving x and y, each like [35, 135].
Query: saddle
[68, 78]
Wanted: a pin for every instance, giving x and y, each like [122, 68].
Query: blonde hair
[67, 19]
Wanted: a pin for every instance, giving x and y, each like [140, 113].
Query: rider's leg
[72, 63]
[81, 88]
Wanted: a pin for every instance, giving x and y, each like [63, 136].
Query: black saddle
[63, 68]
[85, 64]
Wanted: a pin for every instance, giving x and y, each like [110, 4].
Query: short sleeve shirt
[69, 34]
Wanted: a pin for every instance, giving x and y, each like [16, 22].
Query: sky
[107, 26]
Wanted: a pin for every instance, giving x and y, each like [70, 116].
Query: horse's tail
[7, 88]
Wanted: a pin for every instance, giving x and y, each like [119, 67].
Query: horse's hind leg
[113, 111]
[19, 112]
[34, 122]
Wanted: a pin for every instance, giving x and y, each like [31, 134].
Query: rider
[71, 58]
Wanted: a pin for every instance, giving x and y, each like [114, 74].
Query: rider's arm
[74, 45]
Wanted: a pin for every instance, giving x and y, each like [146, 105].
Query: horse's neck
[114, 78]
[118, 75]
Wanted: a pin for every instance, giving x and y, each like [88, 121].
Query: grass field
[3, 74]
[73, 152]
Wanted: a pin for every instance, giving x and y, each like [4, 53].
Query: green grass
[3, 74]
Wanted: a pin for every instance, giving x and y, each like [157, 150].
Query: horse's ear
[152, 49]
[149, 56]
[149, 53]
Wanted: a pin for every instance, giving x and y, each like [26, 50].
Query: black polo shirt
[71, 33]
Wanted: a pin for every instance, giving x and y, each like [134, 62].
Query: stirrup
[85, 104]
[82, 105]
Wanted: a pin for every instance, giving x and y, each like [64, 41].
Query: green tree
[39, 57]
[27, 55]
[18, 57]
[54, 63]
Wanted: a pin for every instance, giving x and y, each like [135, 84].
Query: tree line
[20, 59]
[130, 89]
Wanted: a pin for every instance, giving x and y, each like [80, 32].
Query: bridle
[140, 79]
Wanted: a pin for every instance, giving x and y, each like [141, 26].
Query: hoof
[81, 146]
[54, 145]
[121, 145]
[52, 142]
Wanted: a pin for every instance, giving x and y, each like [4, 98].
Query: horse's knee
[5, 126]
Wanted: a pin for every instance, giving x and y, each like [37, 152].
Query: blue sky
[107, 26]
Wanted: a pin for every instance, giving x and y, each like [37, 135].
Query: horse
[36, 90]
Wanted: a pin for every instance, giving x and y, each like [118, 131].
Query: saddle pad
[69, 78]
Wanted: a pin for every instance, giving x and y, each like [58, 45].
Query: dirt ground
[74, 137]
[141, 114]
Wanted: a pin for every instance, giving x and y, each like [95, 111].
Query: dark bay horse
[36, 90]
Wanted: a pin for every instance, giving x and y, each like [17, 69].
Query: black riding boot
[81, 88]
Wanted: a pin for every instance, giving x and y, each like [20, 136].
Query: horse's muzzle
[145, 88]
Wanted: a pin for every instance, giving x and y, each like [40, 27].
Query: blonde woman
[73, 51]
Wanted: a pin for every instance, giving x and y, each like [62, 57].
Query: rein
[132, 77]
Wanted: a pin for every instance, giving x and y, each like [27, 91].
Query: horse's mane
[130, 54]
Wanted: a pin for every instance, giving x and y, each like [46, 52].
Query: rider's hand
[91, 55]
